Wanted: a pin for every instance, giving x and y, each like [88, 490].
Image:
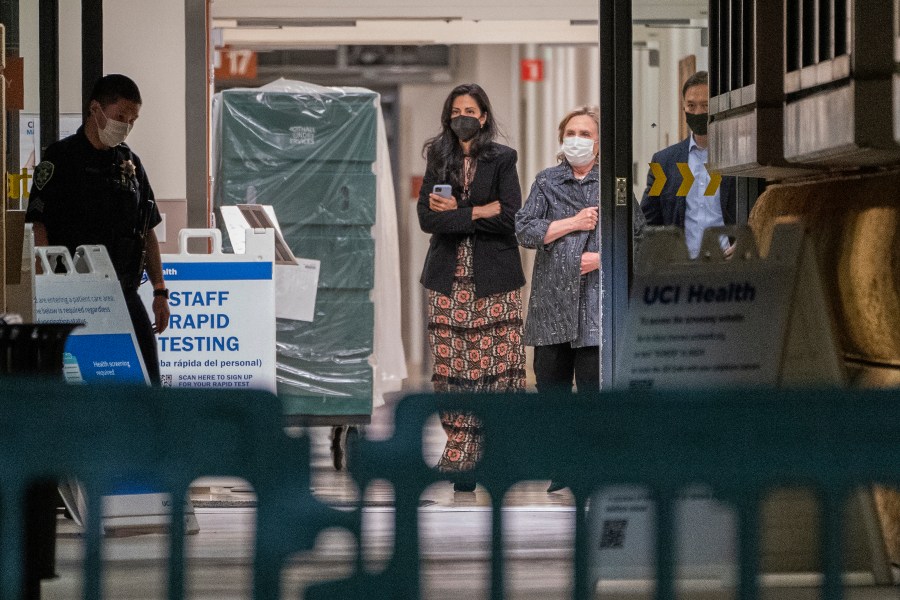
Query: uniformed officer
[90, 188]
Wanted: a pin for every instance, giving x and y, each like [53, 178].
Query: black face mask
[465, 127]
[697, 123]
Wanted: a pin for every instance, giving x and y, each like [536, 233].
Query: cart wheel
[337, 447]
[351, 437]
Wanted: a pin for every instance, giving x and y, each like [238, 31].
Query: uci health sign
[221, 332]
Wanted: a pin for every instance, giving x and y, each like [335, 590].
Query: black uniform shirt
[87, 196]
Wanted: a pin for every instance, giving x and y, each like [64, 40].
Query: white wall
[145, 40]
[28, 49]
[419, 110]
[647, 136]
[571, 79]
[69, 55]
[675, 44]
[416, 9]
[469, 9]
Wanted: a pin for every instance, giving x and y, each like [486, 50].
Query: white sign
[624, 547]
[296, 279]
[745, 321]
[295, 290]
[221, 331]
[86, 290]
[132, 511]
[30, 136]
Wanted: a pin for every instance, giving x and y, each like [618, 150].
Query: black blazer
[496, 262]
[667, 208]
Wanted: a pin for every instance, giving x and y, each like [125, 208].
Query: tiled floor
[455, 534]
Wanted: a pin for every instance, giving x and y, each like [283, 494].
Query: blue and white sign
[221, 331]
[84, 289]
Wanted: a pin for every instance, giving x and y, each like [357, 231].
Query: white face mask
[114, 133]
[579, 151]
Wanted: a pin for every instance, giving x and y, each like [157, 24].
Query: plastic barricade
[99, 434]
[738, 443]
[36, 350]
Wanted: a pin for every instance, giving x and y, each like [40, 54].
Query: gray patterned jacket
[563, 306]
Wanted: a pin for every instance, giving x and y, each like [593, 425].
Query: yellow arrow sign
[714, 181]
[659, 179]
[687, 179]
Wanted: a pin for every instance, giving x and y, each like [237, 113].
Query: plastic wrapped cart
[318, 157]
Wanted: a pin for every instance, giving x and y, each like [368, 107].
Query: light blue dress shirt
[701, 211]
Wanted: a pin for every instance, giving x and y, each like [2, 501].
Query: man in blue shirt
[695, 211]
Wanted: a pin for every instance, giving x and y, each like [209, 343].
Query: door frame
[616, 255]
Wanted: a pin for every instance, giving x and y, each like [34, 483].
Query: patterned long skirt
[476, 344]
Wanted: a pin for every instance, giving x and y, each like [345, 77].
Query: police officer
[90, 188]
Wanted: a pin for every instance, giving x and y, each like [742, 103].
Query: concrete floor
[455, 534]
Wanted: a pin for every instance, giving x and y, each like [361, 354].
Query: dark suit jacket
[667, 208]
[496, 262]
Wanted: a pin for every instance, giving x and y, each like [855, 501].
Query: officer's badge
[128, 170]
[42, 174]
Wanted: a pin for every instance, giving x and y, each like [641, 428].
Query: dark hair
[109, 89]
[698, 78]
[444, 151]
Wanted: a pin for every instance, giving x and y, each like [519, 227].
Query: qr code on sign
[613, 535]
[165, 380]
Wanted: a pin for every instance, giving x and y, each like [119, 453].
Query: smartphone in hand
[443, 190]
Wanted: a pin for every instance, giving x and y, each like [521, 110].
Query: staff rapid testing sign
[221, 331]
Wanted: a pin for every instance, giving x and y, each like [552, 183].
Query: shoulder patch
[42, 174]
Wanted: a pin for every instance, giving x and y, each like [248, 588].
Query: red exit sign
[532, 69]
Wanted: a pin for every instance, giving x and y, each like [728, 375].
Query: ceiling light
[281, 23]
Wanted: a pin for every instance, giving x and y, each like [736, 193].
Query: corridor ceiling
[266, 24]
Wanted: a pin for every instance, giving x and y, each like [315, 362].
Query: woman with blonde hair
[559, 221]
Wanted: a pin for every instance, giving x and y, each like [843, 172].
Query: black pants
[143, 331]
[556, 365]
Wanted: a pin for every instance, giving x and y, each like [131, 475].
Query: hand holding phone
[444, 199]
[443, 190]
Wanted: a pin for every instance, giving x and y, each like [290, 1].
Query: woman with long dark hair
[473, 272]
